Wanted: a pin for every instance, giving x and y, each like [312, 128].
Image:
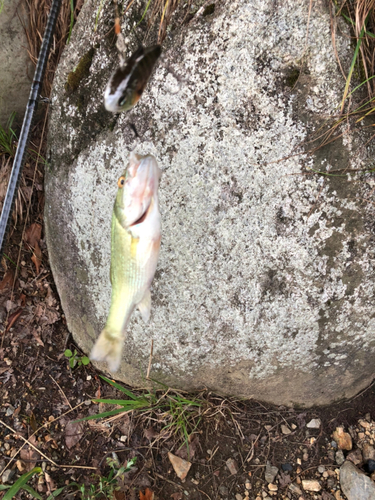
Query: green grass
[101, 487]
[8, 138]
[351, 69]
[181, 414]
[21, 484]
[105, 486]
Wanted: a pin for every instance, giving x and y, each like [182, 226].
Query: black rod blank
[32, 105]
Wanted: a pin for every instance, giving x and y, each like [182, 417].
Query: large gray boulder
[355, 484]
[16, 68]
[265, 282]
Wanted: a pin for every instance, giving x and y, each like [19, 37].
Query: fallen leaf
[21, 466]
[13, 318]
[148, 495]
[7, 281]
[33, 234]
[151, 434]
[119, 495]
[51, 486]
[177, 496]
[188, 452]
[33, 423]
[284, 479]
[51, 316]
[37, 338]
[29, 455]
[180, 466]
[73, 433]
[50, 298]
[37, 257]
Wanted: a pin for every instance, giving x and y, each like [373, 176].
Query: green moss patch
[80, 72]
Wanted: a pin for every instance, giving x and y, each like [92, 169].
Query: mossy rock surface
[265, 283]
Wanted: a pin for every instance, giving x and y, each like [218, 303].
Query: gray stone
[10, 411]
[294, 488]
[265, 280]
[355, 484]
[270, 473]
[7, 476]
[285, 429]
[368, 452]
[355, 456]
[17, 69]
[339, 457]
[315, 423]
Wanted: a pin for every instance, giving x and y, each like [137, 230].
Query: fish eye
[121, 182]
[122, 101]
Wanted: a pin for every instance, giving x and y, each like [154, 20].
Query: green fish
[135, 244]
[128, 82]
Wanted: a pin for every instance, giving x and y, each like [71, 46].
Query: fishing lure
[128, 82]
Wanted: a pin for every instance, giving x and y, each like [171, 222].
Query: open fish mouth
[142, 217]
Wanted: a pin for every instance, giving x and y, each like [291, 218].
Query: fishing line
[24, 138]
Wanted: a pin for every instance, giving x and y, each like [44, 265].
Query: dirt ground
[230, 441]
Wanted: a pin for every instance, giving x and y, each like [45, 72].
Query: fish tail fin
[108, 347]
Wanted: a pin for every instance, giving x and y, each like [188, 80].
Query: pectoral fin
[145, 306]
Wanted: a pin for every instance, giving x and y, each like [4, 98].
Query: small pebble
[339, 457]
[270, 472]
[355, 456]
[239, 497]
[231, 464]
[370, 466]
[10, 411]
[311, 485]
[321, 469]
[315, 423]
[364, 424]
[285, 429]
[331, 482]
[343, 439]
[295, 489]
[286, 467]
[7, 476]
[272, 487]
[368, 452]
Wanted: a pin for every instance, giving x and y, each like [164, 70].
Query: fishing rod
[32, 105]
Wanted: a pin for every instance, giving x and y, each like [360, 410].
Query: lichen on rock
[265, 281]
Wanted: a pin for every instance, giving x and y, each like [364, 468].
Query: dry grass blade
[361, 16]
[38, 14]
[164, 9]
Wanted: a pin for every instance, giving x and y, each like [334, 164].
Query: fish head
[138, 188]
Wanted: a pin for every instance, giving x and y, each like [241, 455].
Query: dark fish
[128, 82]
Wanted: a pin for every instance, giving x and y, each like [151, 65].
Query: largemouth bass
[135, 243]
[128, 82]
